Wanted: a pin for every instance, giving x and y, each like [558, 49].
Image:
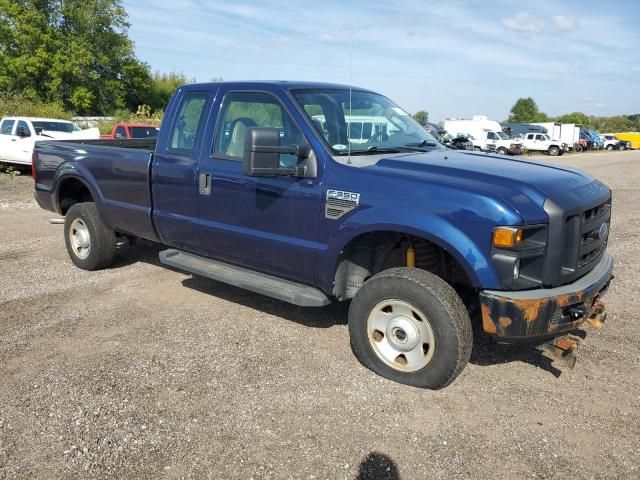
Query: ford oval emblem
[602, 232]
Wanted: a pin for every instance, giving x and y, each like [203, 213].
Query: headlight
[518, 254]
[507, 237]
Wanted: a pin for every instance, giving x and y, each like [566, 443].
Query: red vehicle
[132, 130]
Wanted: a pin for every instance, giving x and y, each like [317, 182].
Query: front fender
[441, 231]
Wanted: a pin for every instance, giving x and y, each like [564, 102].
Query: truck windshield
[144, 132]
[360, 122]
[66, 127]
[503, 135]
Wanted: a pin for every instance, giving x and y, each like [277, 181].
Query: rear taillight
[33, 165]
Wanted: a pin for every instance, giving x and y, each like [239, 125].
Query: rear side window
[121, 132]
[6, 127]
[185, 128]
[530, 136]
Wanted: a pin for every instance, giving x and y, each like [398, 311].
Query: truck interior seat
[238, 131]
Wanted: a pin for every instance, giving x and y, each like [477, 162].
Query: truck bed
[116, 172]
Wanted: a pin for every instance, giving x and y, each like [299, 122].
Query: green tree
[575, 117]
[525, 110]
[421, 117]
[162, 87]
[75, 52]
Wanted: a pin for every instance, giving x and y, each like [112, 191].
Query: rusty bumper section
[532, 314]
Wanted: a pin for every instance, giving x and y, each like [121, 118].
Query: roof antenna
[350, 88]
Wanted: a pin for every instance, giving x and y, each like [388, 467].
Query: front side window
[7, 127]
[24, 128]
[243, 110]
[185, 129]
[357, 122]
[492, 136]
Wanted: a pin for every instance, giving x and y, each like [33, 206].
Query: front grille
[585, 241]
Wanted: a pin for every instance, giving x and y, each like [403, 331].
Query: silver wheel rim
[80, 239]
[401, 335]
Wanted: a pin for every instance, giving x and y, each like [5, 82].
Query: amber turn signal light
[507, 237]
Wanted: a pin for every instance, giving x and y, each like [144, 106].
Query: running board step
[296, 293]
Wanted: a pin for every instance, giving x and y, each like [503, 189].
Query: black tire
[609, 147]
[553, 151]
[101, 252]
[446, 314]
[502, 151]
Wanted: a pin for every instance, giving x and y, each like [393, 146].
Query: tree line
[526, 110]
[75, 56]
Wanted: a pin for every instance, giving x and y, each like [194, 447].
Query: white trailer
[553, 129]
[570, 134]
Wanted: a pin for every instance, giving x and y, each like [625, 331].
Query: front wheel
[410, 326]
[502, 151]
[90, 244]
[554, 151]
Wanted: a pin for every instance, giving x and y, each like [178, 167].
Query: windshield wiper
[423, 143]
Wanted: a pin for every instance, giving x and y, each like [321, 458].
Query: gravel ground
[144, 372]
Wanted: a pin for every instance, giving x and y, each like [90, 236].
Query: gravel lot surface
[144, 372]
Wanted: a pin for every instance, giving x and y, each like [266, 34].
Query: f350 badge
[339, 203]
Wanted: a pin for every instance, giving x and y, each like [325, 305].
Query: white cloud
[524, 22]
[563, 22]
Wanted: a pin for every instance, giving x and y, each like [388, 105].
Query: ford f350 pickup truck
[246, 186]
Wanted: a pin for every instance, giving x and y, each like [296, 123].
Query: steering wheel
[375, 136]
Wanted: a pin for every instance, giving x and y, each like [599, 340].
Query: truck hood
[524, 184]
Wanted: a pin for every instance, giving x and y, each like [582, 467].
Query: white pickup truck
[543, 143]
[18, 135]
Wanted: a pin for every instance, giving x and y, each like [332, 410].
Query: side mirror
[22, 133]
[262, 152]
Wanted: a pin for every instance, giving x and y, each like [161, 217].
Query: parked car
[132, 130]
[488, 135]
[612, 143]
[19, 134]
[458, 143]
[541, 142]
[631, 137]
[414, 235]
[624, 144]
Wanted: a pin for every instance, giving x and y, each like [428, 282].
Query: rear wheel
[553, 151]
[410, 326]
[609, 147]
[90, 244]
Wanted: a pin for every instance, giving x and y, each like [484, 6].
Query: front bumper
[536, 314]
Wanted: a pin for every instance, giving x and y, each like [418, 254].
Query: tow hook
[598, 315]
[563, 348]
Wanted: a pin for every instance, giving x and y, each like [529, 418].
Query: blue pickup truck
[316, 193]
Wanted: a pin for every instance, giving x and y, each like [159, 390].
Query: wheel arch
[364, 252]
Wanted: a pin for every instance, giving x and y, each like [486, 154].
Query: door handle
[204, 184]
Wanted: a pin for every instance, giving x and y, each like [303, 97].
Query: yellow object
[633, 137]
[411, 257]
[507, 237]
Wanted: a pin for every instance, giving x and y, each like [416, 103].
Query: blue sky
[451, 58]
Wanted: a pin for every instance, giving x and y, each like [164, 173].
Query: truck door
[174, 170]
[24, 143]
[8, 140]
[264, 223]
